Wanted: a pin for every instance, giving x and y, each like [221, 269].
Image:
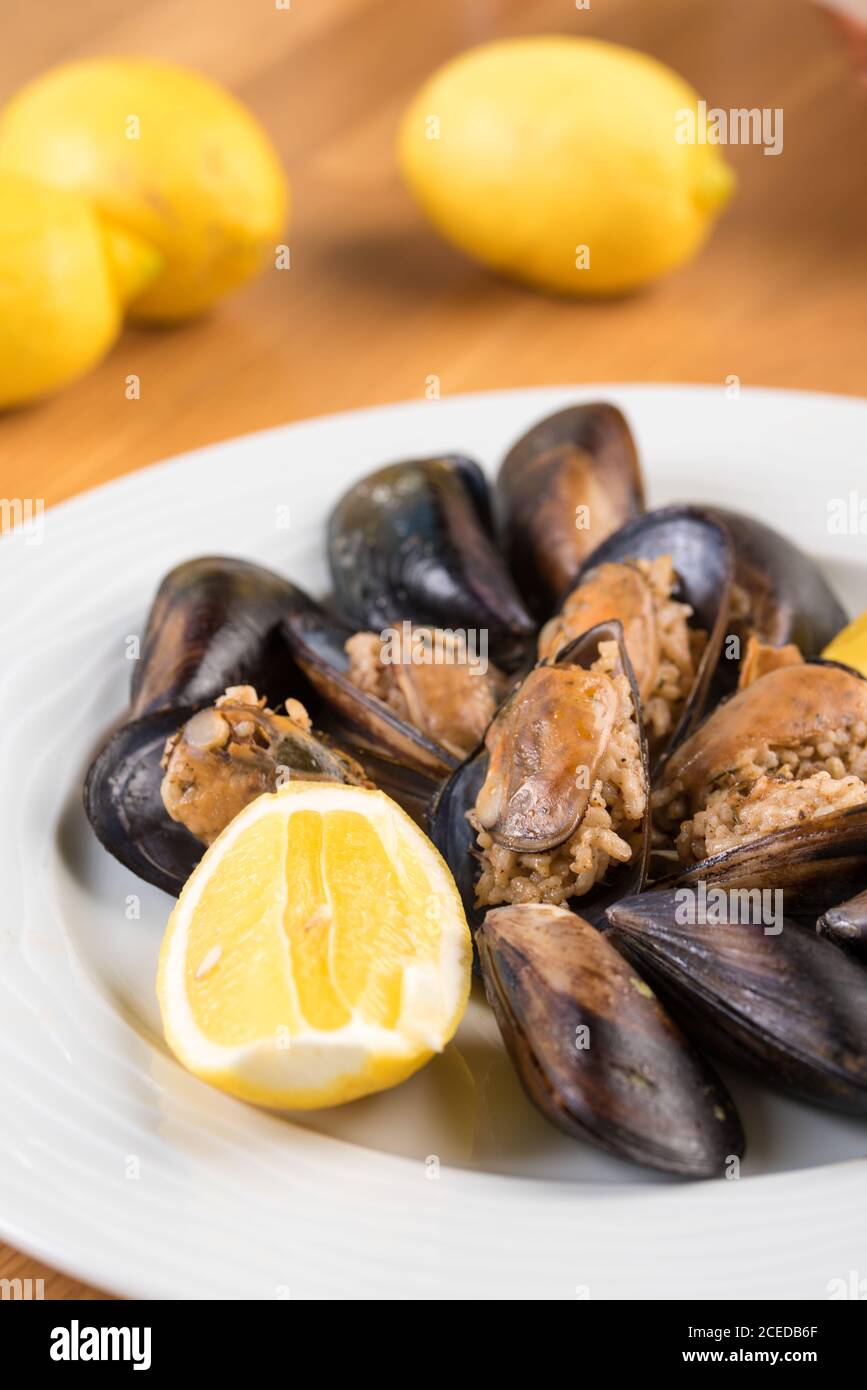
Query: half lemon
[318, 952]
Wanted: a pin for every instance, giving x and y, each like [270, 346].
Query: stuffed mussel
[667, 578]
[595, 1050]
[214, 624]
[171, 778]
[771, 790]
[231, 752]
[554, 805]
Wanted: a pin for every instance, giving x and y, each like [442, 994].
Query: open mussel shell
[455, 837]
[562, 488]
[846, 924]
[213, 623]
[595, 1051]
[812, 864]
[208, 784]
[123, 803]
[317, 640]
[774, 998]
[703, 560]
[782, 594]
[413, 542]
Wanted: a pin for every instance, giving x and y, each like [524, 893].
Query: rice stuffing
[768, 789]
[680, 649]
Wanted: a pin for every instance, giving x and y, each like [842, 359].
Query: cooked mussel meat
[397, 714]
[594, 1049]
[761, 657]
[413, 542]
[766, 994]
[666, 577]
[562, 488]
[431, 679]
[554, 805]
[235, 750]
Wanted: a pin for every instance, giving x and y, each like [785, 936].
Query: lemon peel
[556, 161]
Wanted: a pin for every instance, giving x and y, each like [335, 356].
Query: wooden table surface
[374, 304]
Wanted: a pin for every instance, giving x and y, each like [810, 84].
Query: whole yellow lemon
[169, 159]
[562, 162]
[60, 302]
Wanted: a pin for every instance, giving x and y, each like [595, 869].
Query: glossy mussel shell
[582, 457]
[594, 1049]
[541, 807]
[790, 600]
[703, 560]
[317, 640]
[789, 1006]
[123, 803]
[812, 864]
[413, 542]
[214, 622]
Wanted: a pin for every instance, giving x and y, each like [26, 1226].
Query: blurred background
[375, 302]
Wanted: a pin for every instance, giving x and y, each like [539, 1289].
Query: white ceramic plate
[119, 1167]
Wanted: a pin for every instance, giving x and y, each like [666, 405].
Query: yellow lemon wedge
[319, 952]
[850, 645]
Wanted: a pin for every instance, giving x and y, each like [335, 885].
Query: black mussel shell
[789, 598]
[411, 788]
[455, 838]
[789, 1006]
[213, 623]
[123, 803]
[703, 559]
[413, 542]
[813, 864]
[595, 1050]
[846, 924]
[581, 457]
[317, 640]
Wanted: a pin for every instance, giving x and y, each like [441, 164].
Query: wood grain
[374, 303]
